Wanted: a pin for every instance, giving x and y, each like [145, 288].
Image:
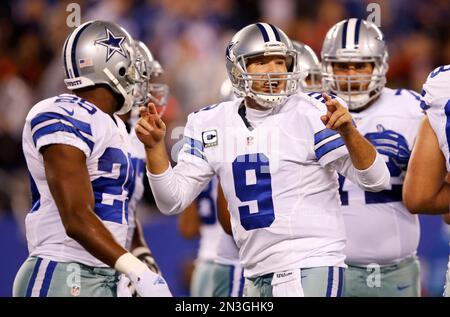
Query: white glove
[123, 289]
[146, 282]
[150, 284]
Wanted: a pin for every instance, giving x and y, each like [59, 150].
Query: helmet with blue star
[101, 52]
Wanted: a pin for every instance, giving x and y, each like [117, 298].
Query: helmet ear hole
[122, 71]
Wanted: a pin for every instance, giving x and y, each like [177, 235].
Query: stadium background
[188, 38]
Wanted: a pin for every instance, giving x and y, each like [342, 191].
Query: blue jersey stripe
[45, 116]
[263, 31]
[330, 281]
[47, 279]
[341, 277]
[194, 143]
[35, 195]
[241, 284]
[195, 152]
[230, 280]
[328, 147]
[33, 277]
[424, 106]
[344, 34]
[59, 126]
[277, 35]
[323, 134]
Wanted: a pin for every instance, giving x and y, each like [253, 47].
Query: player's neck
[101, 97]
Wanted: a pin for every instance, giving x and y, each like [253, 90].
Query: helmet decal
[113, 43]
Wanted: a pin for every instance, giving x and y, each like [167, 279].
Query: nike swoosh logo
[401, 288]
[70, 113]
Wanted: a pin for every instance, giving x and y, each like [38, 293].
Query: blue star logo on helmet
[113, 43]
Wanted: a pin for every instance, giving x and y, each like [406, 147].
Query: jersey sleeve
[58, 125]
[435, 91]
[328, 144]
[193, 150]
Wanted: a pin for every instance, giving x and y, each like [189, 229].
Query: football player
[78, 155]
[145, 91]
[425, 190]
[382, 236]
[276, 154]
[217, 272]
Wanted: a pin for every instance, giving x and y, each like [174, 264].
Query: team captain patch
[210, 138]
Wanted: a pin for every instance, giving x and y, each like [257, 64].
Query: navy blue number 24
[257, 188]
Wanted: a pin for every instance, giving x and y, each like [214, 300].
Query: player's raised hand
[338, 117]
[150, 129]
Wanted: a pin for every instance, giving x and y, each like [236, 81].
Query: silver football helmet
[100, 52]
[308, 63]
[355, 40]
[261, 39]
[149, 68]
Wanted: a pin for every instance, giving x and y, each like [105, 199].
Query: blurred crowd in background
[188, 37]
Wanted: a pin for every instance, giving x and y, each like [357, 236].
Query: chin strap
[128, 101]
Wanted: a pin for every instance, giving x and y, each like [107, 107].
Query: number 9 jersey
[281, 191]
[68, 119]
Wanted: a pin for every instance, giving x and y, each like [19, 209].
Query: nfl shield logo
[75, 291]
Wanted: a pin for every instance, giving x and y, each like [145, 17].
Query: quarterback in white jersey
[276, 155]
[426, 189]
[78, 155]
[382, 236]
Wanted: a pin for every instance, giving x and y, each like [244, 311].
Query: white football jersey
[68, 119]
[138, 160]
[379, 227]
[436, 103]
[282, 195]
[227, 251]
[215, 244]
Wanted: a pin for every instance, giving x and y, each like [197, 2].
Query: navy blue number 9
[259, 190]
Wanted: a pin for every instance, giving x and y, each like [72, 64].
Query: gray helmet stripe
[68, 51]
[74, 47]
[350, 33]
[263, 31]
[277, 35]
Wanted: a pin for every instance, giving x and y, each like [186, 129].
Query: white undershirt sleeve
[373, 179]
